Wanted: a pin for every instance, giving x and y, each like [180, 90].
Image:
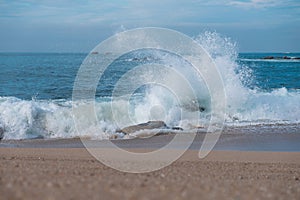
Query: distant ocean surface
[36, 91]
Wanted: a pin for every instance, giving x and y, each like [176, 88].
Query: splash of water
[53, 119]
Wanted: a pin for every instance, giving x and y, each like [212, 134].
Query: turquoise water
[38, 75]
[269, 74]
[36, 92]
[51, 75]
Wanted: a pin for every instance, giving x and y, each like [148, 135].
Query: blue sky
[78, 25]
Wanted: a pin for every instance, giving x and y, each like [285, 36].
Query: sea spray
[247, 102]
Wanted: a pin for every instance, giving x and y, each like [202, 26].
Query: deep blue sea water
[269, 74]
[36, 93]
[47, 76]
[38, 75]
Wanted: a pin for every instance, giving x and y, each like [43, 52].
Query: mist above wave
[21, 119]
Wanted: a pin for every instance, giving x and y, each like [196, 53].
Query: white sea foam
[248, 106]
[54, 118]
[245, 106]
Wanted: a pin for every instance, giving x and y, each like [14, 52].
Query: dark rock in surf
[144, 126]
[280, 58]
[176, 128]
[202, 109]
[269, 57]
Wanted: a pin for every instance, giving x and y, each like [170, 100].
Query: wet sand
[72, 173]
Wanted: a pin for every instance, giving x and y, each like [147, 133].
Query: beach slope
[72, 173]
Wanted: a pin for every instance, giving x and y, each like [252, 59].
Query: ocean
[262, 92]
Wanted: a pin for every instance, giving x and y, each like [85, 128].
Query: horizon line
[79, 52]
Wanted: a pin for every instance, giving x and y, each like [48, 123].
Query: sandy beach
[72, 173]
[151, 100]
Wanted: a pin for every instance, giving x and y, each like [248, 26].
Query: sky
[79, 25]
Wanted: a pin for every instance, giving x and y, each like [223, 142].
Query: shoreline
[228, 141]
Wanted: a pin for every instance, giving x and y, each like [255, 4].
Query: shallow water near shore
[241, 139]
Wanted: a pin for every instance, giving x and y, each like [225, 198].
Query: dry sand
[72, 173]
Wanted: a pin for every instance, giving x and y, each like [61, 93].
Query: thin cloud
[263, 3]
